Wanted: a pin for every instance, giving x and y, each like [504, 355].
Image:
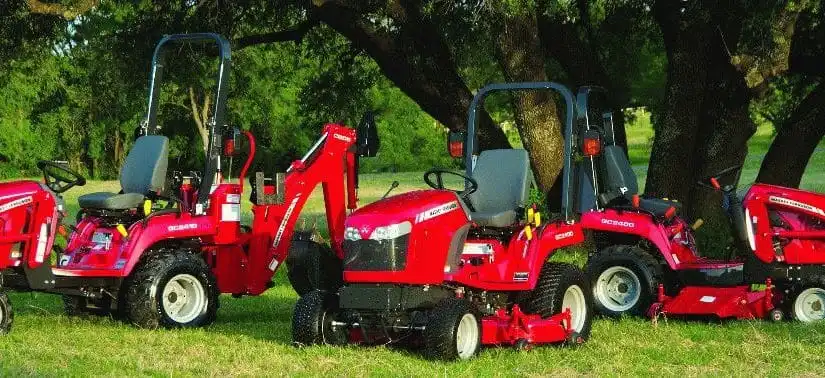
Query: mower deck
[738, 302]
[522, 330]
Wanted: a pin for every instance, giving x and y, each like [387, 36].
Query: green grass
[251, 336]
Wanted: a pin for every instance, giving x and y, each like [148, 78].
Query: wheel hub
[809, 306]
[617, 289]
[184, 298]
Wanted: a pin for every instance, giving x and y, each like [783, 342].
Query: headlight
[392, 231]
[351, 233]
[750, 228]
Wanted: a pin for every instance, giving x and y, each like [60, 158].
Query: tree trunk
[795, 142]
[201, 117]
[415, 57]
[537, 118]
[706, 123]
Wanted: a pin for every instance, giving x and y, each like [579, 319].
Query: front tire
[562, 286]
[453, 330]
[313, 266]
[312, 320]
[624, 279]
[6, 314]
[809, 305]
[172, 289]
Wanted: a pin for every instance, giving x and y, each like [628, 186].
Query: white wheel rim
[466, 338]
[618, 289]
[809, 305]
[184, 298]
[2, 312]
[574, 300]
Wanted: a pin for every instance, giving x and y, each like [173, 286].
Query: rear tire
[453, 330]
[6, 314]
[171, 289]
[313, 266]
[561, 286]
[809, 305]
[624, 279]
[312, 320]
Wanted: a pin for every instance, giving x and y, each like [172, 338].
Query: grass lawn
[252, 335]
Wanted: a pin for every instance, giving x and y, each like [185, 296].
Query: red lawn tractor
[646, 260]
[160, 251]
[456, 269]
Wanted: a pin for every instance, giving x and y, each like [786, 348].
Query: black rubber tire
[313, 266]
[79, 306]
[547, 297]
[442, 327]
[646, 267]
[144, 288]
[312, 320]
[6, 314]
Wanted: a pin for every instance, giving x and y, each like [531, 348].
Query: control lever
[392, 186]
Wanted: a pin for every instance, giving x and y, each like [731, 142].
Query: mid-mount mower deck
[646, 260]
[163, 265]
[457, 269]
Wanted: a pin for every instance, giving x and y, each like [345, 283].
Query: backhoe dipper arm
[332, 157]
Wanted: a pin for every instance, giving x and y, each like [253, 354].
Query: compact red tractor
[160, 251]
[456, 269]
[646, 260]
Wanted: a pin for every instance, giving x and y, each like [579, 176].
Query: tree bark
[201, 117]
[415, 57]
[536, 114]
[795, 142]
[706, 123]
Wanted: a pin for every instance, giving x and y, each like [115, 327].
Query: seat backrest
[145, 167]
[619, 176]
[503, 178]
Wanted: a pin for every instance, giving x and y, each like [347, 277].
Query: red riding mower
[164, 265]
[646, 260]
[456, 269]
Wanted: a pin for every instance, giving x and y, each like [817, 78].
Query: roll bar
[567, 172]
[219, 112]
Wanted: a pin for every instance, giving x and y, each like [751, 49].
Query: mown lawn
[252, 335]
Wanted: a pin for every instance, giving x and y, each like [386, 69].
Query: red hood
[416, 207]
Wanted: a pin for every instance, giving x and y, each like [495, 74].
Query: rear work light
[591, 143]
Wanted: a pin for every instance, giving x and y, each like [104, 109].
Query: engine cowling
[411, 238]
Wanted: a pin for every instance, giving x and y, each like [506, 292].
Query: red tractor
[457, 269]
[647, 262]
[161, 250]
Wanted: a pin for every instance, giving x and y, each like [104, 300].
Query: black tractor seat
[504, 179]
[143, 172]
[621, 187]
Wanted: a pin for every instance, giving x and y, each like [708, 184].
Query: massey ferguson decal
[564, 235]
[436, 211]
[182, 227]
[521, 276]
[282, 227]
[796, 204]
[16, 203]
[618, 223]
[342, 137]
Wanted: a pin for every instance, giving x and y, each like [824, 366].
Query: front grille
[376, 255]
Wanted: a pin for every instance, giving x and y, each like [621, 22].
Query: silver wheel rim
[184, 298]
[809, 305]
[574, 300]
[466, 338]
[618, 289]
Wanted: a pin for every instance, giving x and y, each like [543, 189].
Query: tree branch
[295, 34]
[69, 12]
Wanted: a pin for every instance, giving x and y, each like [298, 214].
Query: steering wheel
[712, 182]
[472, 184]
[58, 177]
